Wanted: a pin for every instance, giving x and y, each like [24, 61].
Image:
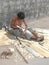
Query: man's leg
[29, 35]
[33, 32]
[33, 36]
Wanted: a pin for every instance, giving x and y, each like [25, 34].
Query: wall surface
[32, 9]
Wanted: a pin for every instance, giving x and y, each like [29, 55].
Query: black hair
[21, 15]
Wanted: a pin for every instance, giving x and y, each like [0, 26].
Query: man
[16, 24]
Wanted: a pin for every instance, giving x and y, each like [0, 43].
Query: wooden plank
[33, 52]
[40, 50]
[20, 54]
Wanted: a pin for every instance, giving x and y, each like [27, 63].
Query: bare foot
[40, 38]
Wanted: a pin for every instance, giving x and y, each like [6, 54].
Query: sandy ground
[12, 61]
[31, 62]
[41, 23]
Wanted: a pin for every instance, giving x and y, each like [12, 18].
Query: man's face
[21, 19]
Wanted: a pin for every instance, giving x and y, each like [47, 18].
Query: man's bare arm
[26, 26]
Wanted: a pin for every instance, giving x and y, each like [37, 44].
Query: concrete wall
[32, 9]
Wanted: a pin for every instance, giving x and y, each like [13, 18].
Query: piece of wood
[21, 54]
[33, 52]
[40, 50]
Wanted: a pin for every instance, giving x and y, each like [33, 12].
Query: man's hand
[19, 27]
[23, 32]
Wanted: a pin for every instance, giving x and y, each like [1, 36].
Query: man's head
[21, 15]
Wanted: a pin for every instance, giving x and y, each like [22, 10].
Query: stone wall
[32, 9]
